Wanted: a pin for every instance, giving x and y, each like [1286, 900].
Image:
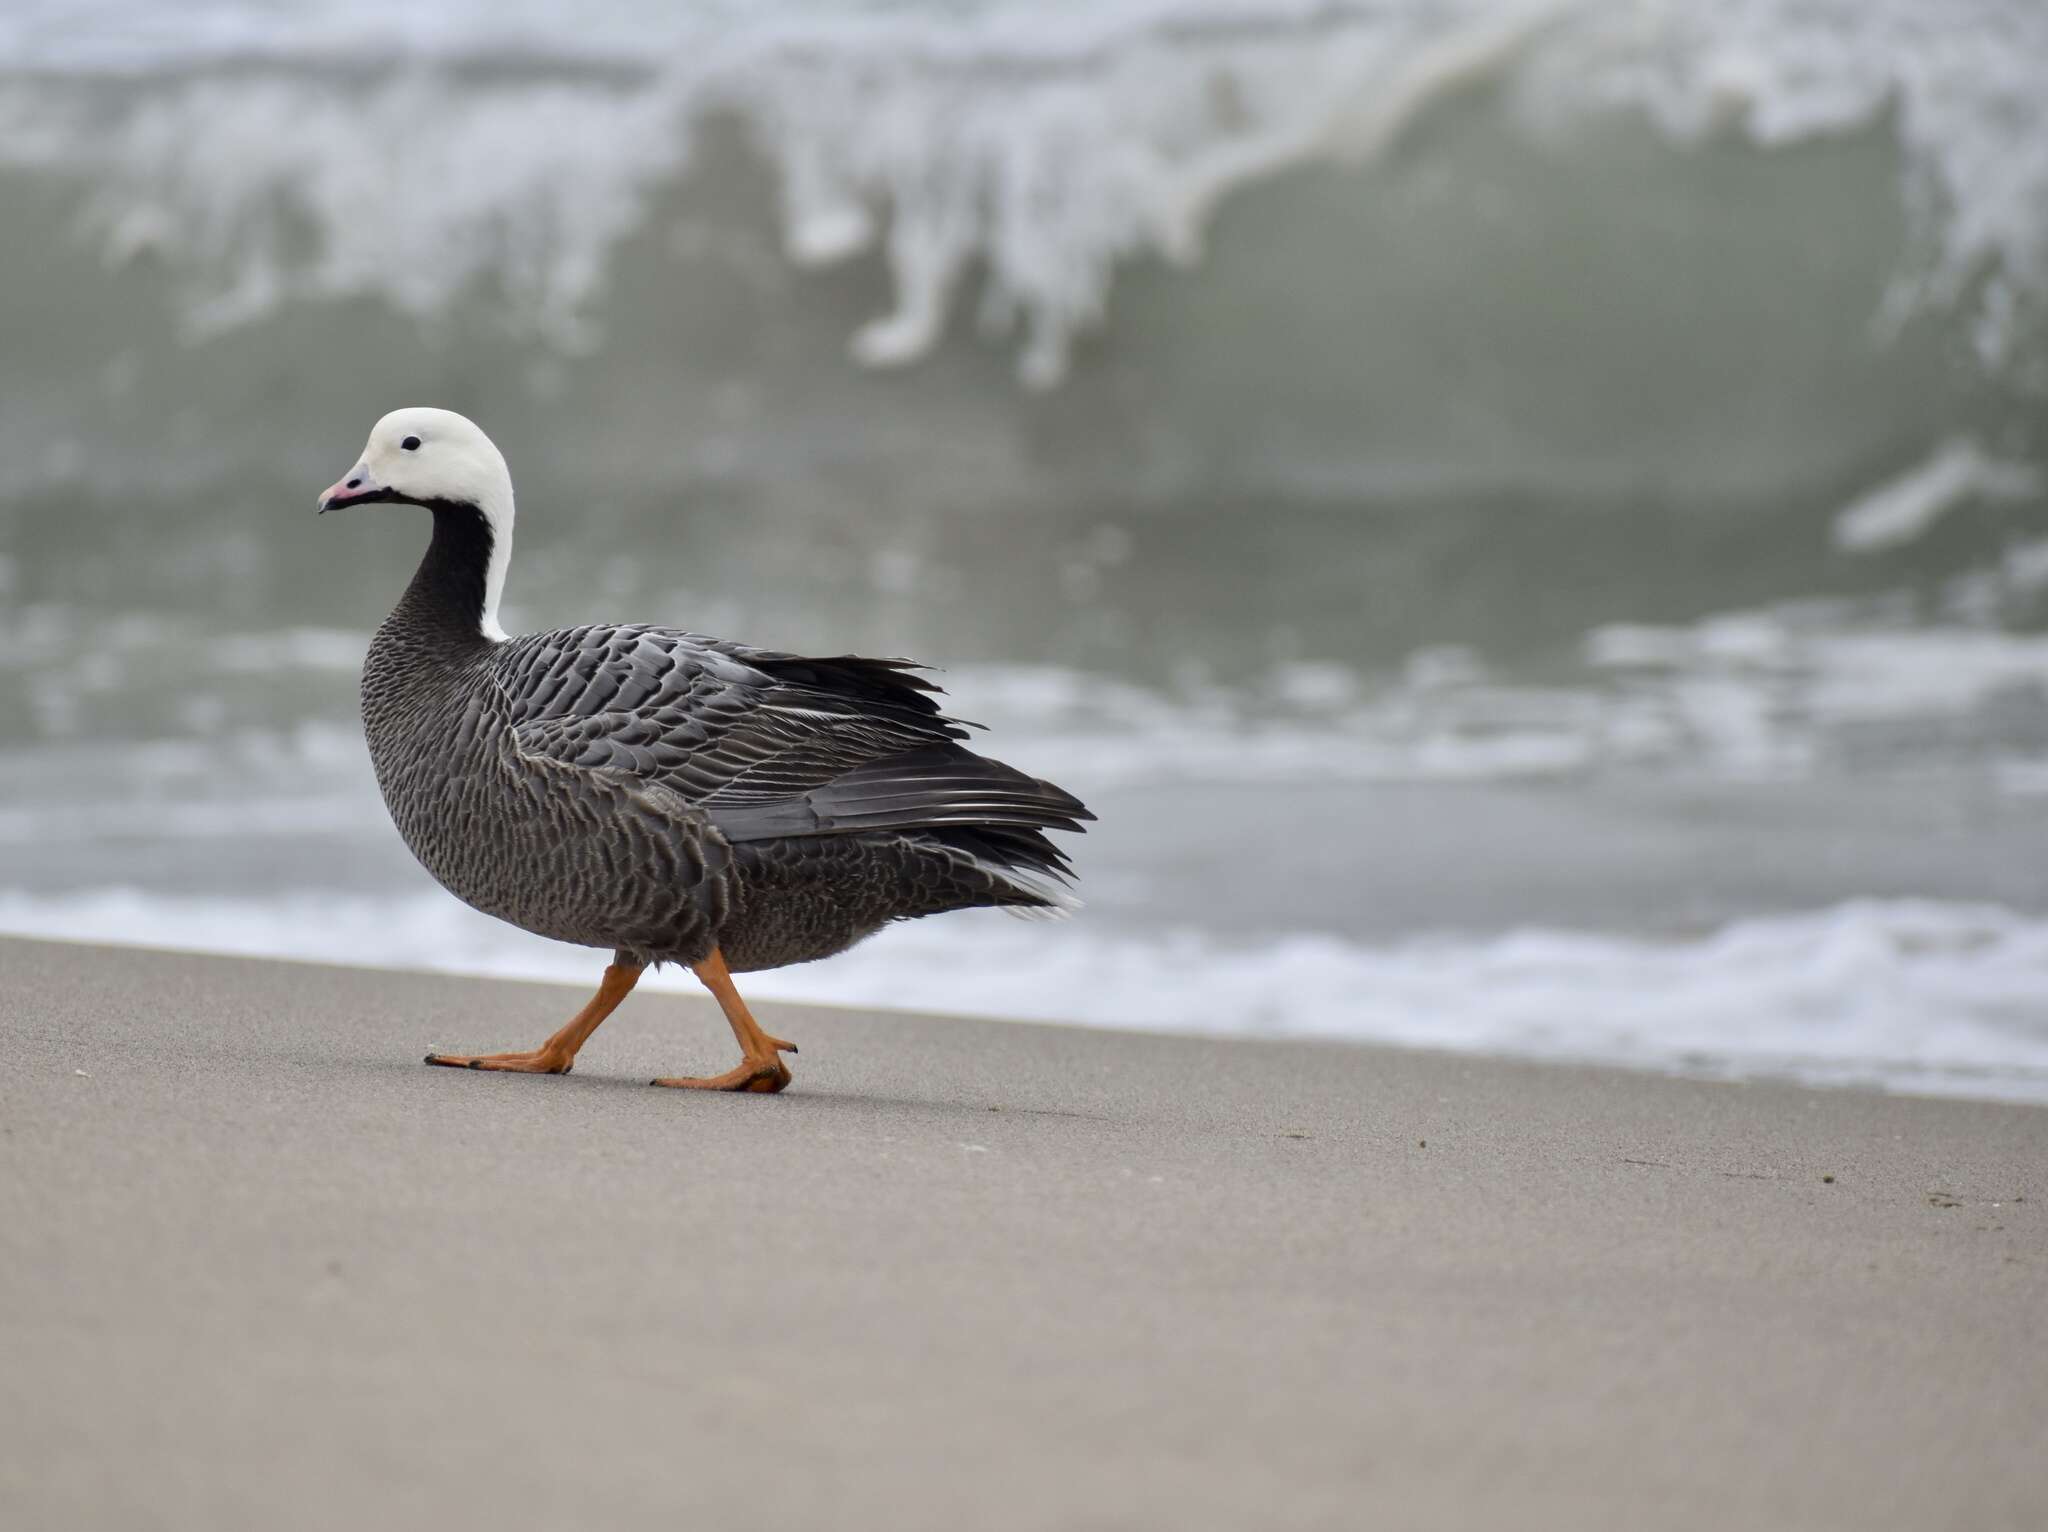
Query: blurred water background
[1529, 523]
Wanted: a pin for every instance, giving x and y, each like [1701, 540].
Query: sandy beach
[260, 1268]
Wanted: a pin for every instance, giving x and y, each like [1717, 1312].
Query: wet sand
[261, 1268]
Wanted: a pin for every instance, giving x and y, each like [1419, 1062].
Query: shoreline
[259, 1266]
[1687, 1056]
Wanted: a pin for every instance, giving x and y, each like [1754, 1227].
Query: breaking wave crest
[325, 151]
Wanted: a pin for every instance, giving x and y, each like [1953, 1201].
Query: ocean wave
[1798, 692]
[324, 151]
[1917, 995]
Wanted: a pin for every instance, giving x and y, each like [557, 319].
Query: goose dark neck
[445, 602]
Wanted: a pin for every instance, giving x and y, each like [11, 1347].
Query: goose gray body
[661, 794]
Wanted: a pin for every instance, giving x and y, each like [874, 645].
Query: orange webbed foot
[558, 1054]
[760, 1070]
[538, 1062]
[761, 1077]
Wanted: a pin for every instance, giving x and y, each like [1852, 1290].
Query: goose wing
[766, 744]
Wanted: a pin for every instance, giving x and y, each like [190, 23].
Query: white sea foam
[426, 146]
[1910, 994]
[1901, 509]
[1786, 693]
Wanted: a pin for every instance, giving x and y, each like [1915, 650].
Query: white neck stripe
[499, 519]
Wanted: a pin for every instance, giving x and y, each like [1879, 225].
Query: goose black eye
[410, 444]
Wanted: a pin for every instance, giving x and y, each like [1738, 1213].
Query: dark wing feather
[919, 789]
[772, 745]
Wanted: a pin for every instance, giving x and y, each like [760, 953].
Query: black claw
[429, 1058]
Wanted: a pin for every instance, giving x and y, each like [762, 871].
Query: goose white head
[440, 460]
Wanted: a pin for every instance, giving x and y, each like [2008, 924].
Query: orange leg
[558, 1053]
[760, 1068]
